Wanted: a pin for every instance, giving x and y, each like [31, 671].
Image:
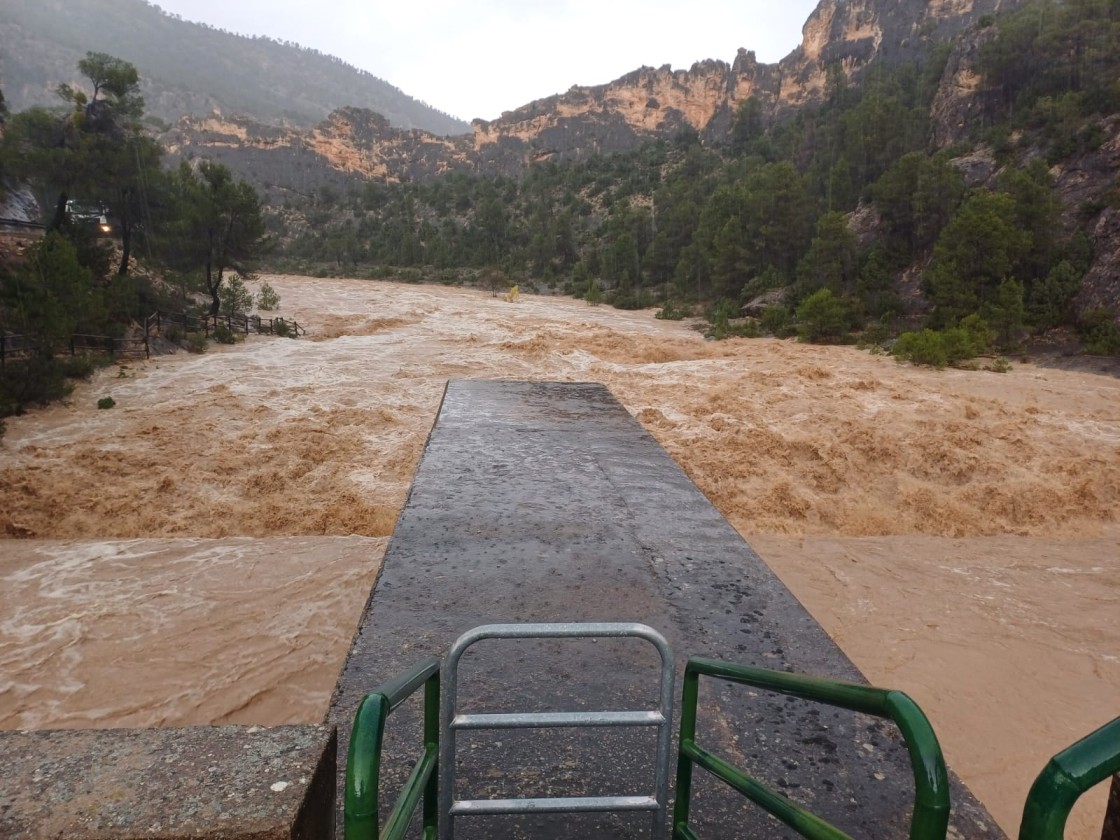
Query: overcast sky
[480, 58]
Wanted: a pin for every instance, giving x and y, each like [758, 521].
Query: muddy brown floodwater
[201, 553]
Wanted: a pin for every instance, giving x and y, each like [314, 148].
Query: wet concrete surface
[204, 783]
[539, 502]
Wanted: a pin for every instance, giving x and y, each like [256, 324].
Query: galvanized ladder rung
[452, 722]
[554, 805]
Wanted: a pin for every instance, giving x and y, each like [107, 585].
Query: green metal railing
[361, 813]
[1066, 777]
[1069, 774]
[931, 800]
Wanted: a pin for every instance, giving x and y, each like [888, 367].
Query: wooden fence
[208, 324]
[16, 347]
[131, 348]
[22, 346]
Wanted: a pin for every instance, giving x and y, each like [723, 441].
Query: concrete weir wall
[543, 502]
[534, 502]
[226, 782]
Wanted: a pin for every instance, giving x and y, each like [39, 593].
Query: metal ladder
[453, 721]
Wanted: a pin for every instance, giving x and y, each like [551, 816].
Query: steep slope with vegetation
[189, 68]
[677, 218]
[197, 225]
[846, 38]
[844, 217]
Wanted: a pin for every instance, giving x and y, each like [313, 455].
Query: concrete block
[166, 784]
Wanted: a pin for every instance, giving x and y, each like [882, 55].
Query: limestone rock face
[17, 202]
[644, 104]
[649, 103]
[351, 144]
[960, 98]
[1085, 184]
[1101, 286]
[978, 167]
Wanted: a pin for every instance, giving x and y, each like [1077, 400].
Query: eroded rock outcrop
[961, 98]
[649, 103]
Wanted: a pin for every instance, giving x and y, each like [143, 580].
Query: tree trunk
[126, 246]
[212, 287]
[59, 212]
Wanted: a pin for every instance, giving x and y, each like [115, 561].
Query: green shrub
[196, 342]
[1099, 332]
[1091, 137]
[823, 317]
[106, 402]
[720, 318]
[980, 334]
[35, 381]
[449, 277]
[281, 328]
[948, 347]
[224, 335]
[776, 321]
[749, 328]
[82, 367]
[267, 298]
[669, 312]
[631, 299]
[875, 336]
[921, 348]
[770, 278]
[957, 344]
[236, 298]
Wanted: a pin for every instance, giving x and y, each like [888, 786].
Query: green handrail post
[361, 810]
[431, 748]
[690, 696]
[930, 819]
[1066, 776]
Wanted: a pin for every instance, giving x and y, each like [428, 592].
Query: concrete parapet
[225, 782]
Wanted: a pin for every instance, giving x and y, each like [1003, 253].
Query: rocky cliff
[646, 104]
[351, 144]
[1084, 181]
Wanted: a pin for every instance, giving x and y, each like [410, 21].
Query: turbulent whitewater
[201, 553]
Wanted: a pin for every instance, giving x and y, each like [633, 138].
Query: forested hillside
[959, 204]
[846, 217]
[674, 219]
[191, 68]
